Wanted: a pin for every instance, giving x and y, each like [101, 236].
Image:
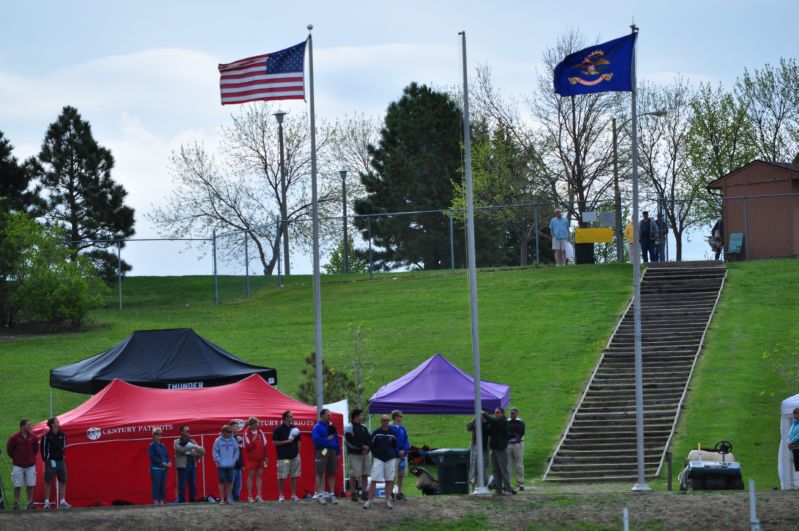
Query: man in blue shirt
[559, 229]
[403, 448]
[647, 234]
[326, 450]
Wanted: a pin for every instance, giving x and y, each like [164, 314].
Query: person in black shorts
[52, 450]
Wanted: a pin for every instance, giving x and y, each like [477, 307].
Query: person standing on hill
[187, 451]
[559, 229]
[226, 454]
[22, 448]
[159, 462]
[403, 448]
[516, 448]
[498, 443]
[286, 439]
[647, 232]
[325, 441]
[255, 462]
[660, 240]
[357, 440]
[53, 444]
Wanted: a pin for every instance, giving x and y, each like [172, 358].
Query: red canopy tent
[108, 435]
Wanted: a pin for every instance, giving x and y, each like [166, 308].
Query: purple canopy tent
[437, 387]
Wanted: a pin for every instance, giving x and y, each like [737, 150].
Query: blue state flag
[606, 67]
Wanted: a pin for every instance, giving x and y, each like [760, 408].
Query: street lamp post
[616, 189]
[343, 173]
[283, 209]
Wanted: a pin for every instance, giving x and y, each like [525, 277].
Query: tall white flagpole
[478, 424]
[641, 484]
[317, 289]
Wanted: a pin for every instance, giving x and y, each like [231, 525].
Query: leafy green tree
[81, 195]
[335, 265]
[413, 167]
[337, 385]
[719, 141]
[41, 279]
[771, 98]
[504, 173]
[16, 192]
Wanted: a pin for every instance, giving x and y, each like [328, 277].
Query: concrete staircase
[677, 302]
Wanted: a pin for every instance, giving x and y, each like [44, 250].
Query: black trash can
[584, 253]
[453, 469]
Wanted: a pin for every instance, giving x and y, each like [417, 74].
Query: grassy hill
[749, 365]
[541, 332]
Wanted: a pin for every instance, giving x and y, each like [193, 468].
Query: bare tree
[576, 133]
[666, 170]
[243, 192]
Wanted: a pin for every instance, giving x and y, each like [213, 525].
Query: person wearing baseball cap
[516, 447]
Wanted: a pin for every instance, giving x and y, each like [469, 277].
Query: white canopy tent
[788, 478]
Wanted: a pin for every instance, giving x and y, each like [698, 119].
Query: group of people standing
[22, 447]
[503, 446]
[652, 237]
[389, 447]
[234, 452]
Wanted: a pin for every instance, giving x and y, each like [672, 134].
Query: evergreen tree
[15, 183]
[81, 195]
[413, 168]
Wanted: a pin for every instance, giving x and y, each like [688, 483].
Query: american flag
[272, 76]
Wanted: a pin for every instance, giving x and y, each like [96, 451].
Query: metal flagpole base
[642, 487]
[482, 491]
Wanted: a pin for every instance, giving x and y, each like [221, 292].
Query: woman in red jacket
[254, 441]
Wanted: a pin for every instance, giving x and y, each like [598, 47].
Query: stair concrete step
[651, 444]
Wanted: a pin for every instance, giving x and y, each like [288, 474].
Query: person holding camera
[498, 443]
[187, 452]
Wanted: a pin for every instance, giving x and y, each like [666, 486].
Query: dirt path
[729, 510]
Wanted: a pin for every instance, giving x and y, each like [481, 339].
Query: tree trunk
[678, 245]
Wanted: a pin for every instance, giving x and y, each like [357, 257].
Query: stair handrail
[588, 385]
[691, 372]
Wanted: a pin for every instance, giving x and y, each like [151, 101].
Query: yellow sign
[602, 235]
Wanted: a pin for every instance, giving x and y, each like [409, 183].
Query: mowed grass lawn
[541, 332]
[749, 365]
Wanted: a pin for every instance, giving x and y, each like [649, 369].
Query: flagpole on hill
[317, 290]
[481, 489]
[641, 485]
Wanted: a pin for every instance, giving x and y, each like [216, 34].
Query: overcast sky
[144, 73]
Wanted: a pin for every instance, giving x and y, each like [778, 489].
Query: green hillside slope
[748, 366]
[541, 332]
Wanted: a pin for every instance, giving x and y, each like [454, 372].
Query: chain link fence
[240, 263]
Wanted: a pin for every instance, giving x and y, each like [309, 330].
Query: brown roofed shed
[761, 201]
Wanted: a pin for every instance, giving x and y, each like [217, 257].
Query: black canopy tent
[172, 359]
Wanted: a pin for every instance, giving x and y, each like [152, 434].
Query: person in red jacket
[254, 442]
[22, 447]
